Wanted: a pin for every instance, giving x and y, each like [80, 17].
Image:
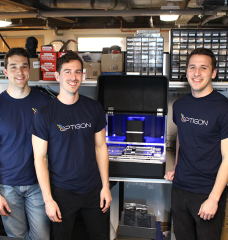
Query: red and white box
[48, 66]
[48, 56]
[47, 48]
[49, 76]
[60, 54]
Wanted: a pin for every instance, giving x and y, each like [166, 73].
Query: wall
[49, 35]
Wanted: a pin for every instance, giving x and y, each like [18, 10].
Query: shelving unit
[53, 83]
[145, 55]
[172, 84]
[183, 41]
[185, 84]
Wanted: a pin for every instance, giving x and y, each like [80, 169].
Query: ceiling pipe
[108, 13]
[215, 10]
[15, 26]
[209, 19]
[57, 33]
[90, 4]
[218, 15]
[121, 28]
[189, 25]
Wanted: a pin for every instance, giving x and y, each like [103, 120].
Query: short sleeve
[39, 127]
[224, 125]
[101, 120]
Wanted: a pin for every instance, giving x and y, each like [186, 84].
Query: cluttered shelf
[185, 84]
[93, 83]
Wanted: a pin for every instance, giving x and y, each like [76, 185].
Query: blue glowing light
[136, 118]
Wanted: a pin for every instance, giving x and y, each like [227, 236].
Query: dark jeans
[187, 223]
[89, 205]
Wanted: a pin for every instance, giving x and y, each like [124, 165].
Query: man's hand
[208, 209]
[169, 175]
[53, 212]
[4, 205]
[105, 195]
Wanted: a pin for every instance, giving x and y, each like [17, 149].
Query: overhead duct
[102, 13]
[184, 19]
[90, 4]
[85, 4]
[219, 15]
[211, 2]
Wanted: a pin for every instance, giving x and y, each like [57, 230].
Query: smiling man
[21, 202]
[200, 174]
[71, 130]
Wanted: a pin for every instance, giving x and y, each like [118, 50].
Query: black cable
[4, 41]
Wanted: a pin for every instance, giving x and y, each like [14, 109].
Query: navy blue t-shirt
[202, 123]
[69, 130]
[16, 154]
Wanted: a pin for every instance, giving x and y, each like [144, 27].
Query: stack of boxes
[48, 62]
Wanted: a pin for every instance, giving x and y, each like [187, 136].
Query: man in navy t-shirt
[21, 202]
[70, 129]
[200, 174]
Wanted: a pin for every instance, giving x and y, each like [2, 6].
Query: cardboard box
[47, 48]
[35, 72]
[48, 66]
[93, 69]
[112, 62]
[224, 235]
[48, 56]
[49, 76]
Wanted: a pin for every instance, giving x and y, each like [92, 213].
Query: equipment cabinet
[136, 110]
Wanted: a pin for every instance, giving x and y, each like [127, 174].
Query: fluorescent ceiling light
[4, 23]
[169, 7]
[169, 18]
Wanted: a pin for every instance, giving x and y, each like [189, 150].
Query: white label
[36, 64]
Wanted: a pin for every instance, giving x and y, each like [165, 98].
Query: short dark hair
[69, 56]
[15, 51]
[203, 51]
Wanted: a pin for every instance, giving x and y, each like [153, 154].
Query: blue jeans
[27, 218]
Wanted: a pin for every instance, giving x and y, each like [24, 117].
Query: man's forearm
[221, 181]
[222, 175]
[102, 157]
[103, 165]
[43, 178]
[41, 165]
